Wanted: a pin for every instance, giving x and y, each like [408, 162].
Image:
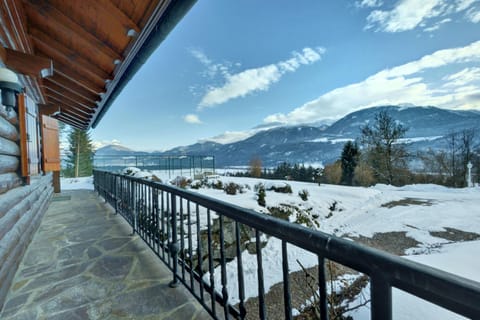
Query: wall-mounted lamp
[10, 86]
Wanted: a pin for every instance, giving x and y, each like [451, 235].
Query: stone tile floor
[83, 264]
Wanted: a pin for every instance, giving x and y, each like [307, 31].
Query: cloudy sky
[231, 67]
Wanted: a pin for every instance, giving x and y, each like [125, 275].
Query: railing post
[133, 206]
[173, 247]
[381, 297]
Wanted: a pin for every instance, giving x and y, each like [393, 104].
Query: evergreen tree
[386, 157]
[80, 157]
[349, 159]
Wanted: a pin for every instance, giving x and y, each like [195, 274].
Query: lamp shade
[10, 86]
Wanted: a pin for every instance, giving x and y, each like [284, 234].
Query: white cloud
[192, 118]
[257, 79]
[410, 14]
[474, 15]
[368, 3]
[407, 15]
[463, 77]
[211, 68]
[398, 85]
[230, 137]
[464, 4]
[437, 25]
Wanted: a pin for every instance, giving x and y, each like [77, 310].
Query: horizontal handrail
[447, 290]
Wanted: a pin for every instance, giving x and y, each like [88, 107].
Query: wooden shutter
[50, 144]
[33, 142]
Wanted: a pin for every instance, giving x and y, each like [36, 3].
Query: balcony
[84, 263]
[88, 260]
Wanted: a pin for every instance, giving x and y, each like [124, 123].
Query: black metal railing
[178, 226]
[171, 165]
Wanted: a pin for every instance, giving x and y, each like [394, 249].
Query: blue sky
[232, 66]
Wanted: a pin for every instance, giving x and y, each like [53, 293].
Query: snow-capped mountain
[427, 127]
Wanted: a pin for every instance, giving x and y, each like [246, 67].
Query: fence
[195, 236]
[171, 165]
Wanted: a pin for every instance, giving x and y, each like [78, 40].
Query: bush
[258, 186]
[181, 182]
[363, 175]
[232, 188]
[281, 187]
[216, 184]
[333, 173]
[303, 194]
[261, 196]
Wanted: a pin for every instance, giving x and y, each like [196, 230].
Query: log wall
[21, 207]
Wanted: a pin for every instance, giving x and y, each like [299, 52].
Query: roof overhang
[75, 57]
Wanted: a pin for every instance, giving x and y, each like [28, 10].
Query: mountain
[115, 149]
[323, 143]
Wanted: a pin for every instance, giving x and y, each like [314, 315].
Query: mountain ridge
[309, 143]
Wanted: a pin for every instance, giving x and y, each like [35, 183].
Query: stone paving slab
[83, 264]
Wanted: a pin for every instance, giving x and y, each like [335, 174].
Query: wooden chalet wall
[21, 206]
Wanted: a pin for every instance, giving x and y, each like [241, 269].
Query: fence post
[133, 205]
[173, 247]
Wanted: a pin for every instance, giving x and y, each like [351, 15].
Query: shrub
[258, 186]
[303, 194]
[232, 188]
[261, 196]
[181, 182]
[280, 187]
[333, 173]
[363, 175]
[217, 184]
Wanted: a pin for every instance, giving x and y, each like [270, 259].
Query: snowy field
[417, 210]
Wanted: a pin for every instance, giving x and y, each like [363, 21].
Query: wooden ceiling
[90, 43]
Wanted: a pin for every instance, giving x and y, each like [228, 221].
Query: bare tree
[385, 154]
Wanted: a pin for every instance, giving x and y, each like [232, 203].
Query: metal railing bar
[223, 266]
[322, 288]
[261, 287]
[241, 284]
[199, 251]
[286, 283]
[210, 262]
[182, 238]
[190, 243]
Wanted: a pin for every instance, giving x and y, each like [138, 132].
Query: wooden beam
[28, 64]
[71, 121]
[117, 14]
[53, 93]
[16, 24]
[67, 93]
[57, 51]
[52, 110]
[74, 115]
[71, 75]
[48, 109]
[42, 12]
[72, 86]
[55, 100]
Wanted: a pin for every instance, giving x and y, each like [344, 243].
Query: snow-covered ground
[354, 211]
[77, 183]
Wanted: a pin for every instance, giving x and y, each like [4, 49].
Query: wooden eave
[74, 57]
